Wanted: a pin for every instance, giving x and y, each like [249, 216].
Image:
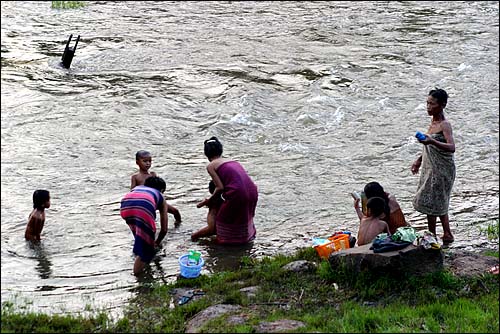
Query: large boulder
[412, 259]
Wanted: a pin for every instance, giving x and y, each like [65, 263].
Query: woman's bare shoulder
[216, 163]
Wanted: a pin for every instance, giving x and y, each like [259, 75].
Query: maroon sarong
[234, 220]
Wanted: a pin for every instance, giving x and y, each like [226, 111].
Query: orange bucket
[341, 241]
[325, 250]
[337, 242]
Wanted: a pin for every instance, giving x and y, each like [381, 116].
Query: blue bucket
[190, 271]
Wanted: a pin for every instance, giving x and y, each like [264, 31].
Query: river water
[315, 99]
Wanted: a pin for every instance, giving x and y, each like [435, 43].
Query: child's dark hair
[374, 189]
[40, 197]
[376, 206]
[142, 154]
[213, 147]
[440, 95]
[211, 186]
[156, 182]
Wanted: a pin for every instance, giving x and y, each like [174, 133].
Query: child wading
[144, 160]
[36, 220]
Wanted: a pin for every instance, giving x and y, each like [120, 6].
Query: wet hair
[374, 189]
[40, 197]
[142, 154]
[440, 95]
[212, 147]
[211, 186]
[156, 182]
[376, 206]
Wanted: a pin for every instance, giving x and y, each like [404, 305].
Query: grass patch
[67, 4]
[491, 230]
[325, 300]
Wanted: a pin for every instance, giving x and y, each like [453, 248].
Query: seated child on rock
[371, 225]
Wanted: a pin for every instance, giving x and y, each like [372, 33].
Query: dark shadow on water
[44, 266]
[224, 257]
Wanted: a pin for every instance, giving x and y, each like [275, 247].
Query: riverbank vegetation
[322, 299]
[67, 4]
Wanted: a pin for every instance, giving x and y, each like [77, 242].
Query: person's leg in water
[210, 228]
[447, 236]
[138, 266]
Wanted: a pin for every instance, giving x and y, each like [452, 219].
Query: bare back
[369, 228]
[34, 228]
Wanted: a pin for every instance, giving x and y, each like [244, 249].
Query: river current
[315, 99]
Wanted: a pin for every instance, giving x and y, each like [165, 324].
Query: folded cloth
[427, 240]
[387, 245]
[404, 234]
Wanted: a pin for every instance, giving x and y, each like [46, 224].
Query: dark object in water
[68, 53]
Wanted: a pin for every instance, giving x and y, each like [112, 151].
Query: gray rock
[250, 291]
[212, 312]
[284, 325]
[300, 266]
[412, 259]
[464, 263]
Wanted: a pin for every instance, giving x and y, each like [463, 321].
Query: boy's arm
[133, 182]
[173, 210]
[386, 229]
[163, 223]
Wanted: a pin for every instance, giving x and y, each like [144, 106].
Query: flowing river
[315, 99]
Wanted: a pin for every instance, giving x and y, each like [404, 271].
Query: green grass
[67, 4]
[491, 230]
[325, 300]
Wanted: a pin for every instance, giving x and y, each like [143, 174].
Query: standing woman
[438, 167]
[234, 220]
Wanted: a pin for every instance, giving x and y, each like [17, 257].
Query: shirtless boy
[371, 225]
[36, 220]
[144, 160]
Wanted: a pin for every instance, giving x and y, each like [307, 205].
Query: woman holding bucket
[234, 219]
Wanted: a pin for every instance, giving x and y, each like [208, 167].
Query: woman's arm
[358, 210]
[219, 186]
[416, 165]
[163, 222]
[449, 146]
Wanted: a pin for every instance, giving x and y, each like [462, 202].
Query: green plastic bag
[404, 234]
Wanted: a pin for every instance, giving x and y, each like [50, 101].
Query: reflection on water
[44, 265]
[224, 257]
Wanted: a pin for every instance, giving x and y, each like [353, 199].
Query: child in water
[36, 220]
[371, 225]
[213, 208]
[144, 160]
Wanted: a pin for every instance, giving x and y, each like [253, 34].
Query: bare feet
[447, 239]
